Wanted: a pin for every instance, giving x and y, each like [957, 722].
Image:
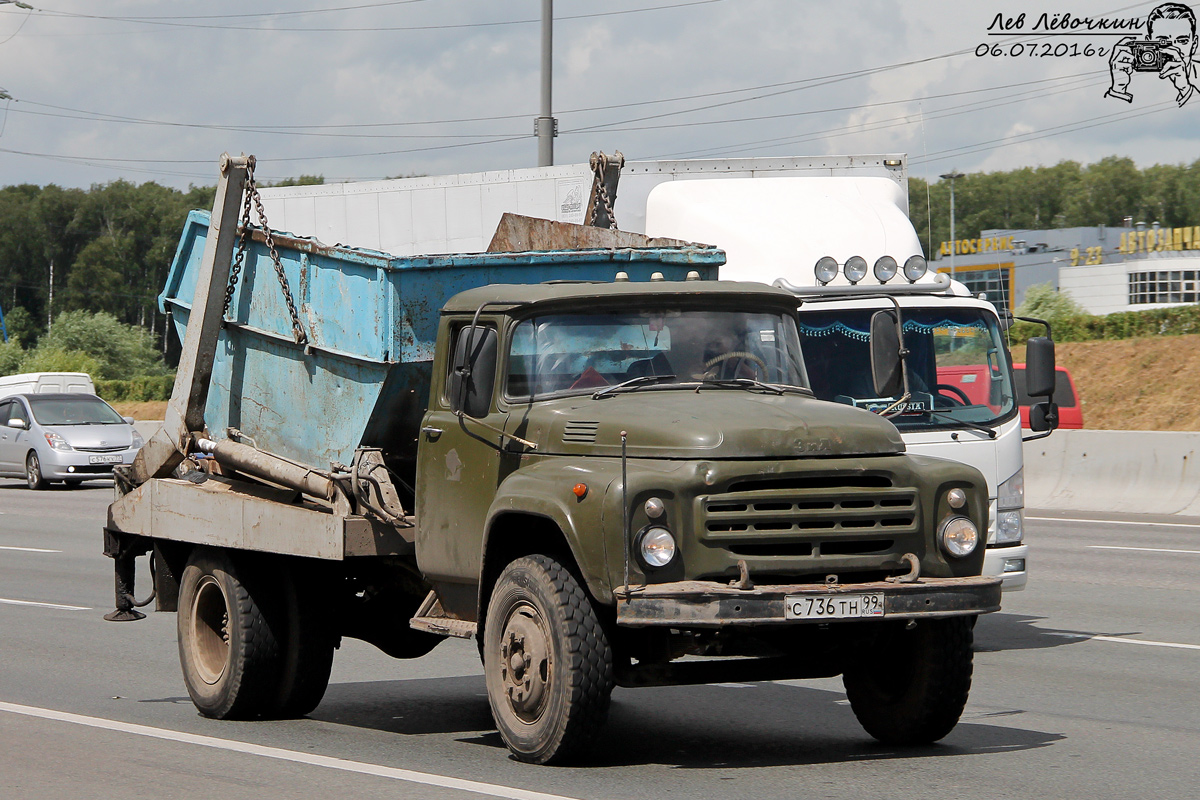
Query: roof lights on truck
[885, 269]
[915, 268]
[826, 269]
[855, 269]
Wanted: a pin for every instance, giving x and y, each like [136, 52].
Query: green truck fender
[536, 509]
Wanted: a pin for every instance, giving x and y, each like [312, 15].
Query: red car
[971, 382]
[1070, 411]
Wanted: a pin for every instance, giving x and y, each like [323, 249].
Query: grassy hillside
[1148, 384]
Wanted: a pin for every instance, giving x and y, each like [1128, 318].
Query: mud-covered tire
[308, 645]
[229, 651]
[547, 662]
[910, 688]
[33, 472]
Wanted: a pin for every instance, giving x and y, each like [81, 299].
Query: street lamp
[16, 3]
[950, 176]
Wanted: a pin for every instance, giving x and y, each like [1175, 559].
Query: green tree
[52, 359]
[20, 324]
[1043, 301]
[11, 356]
[121, 351]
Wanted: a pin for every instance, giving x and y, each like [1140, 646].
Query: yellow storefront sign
[1161, 240]
[988, 245]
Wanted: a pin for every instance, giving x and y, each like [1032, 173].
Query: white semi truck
[776, 218]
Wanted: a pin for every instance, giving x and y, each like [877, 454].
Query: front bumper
[1008, 563]
[707, 604]
[58, 465]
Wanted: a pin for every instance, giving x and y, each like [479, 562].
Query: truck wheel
[912, 687]
[33, 472]
[229, 652]
[309, 642]
[547, 661]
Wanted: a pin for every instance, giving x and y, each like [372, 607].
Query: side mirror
[128, 420]
[472, 374]
[18, 423]
[886, 368]
[1039, 367]
[1043, 417]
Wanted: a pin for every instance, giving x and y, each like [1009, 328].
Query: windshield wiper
[640, 380]
[966, 423]
[748, 383]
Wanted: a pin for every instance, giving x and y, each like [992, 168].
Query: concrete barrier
[1142, 472]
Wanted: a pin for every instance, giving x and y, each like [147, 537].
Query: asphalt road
[1085, 687]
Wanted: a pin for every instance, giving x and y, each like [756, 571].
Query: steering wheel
[945, 387]
[738, 354]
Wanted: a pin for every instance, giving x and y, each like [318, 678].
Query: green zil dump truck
[599, 462]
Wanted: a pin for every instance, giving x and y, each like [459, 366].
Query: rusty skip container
[371, 322]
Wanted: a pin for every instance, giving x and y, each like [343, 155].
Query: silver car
[72, 438]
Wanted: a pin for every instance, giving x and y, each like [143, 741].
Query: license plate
[104, 459]
[833, 606]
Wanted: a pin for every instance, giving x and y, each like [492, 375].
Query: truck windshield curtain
[958, 366]
[576, 353]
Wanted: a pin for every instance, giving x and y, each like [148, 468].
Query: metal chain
[599, 165]
[243, 242]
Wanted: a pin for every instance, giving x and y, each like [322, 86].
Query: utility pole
[951, 175]
[50, 302]
[546, 126]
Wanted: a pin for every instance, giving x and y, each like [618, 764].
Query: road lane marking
[1116, 522]
[1124, 640]
[29, 549]
[60, 606]
[1141, 549]
[312, 759]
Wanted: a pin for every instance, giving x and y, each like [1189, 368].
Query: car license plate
[104, 459]
[833, 606]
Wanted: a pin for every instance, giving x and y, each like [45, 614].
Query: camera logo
[1170, 52]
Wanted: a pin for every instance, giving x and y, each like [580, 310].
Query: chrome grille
[116, 449]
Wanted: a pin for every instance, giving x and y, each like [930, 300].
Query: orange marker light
[580, 490]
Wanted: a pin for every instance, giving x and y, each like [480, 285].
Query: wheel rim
[210, 630]
[526, 662]
[33, 470]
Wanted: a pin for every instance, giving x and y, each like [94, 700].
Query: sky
[367, 89]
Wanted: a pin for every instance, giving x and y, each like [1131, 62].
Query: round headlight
[915, 268]
[855, 269]
[657, 547]
[885, 269]
[654, 508]
[826, 269]
[959, 536]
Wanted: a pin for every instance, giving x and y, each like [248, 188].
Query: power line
[165, 22]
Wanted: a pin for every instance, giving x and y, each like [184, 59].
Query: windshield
[564, 353]
[73, 411]
[958, 367]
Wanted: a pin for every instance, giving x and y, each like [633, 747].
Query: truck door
[461, 461]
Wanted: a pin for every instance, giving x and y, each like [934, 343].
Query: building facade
[1104, 269]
